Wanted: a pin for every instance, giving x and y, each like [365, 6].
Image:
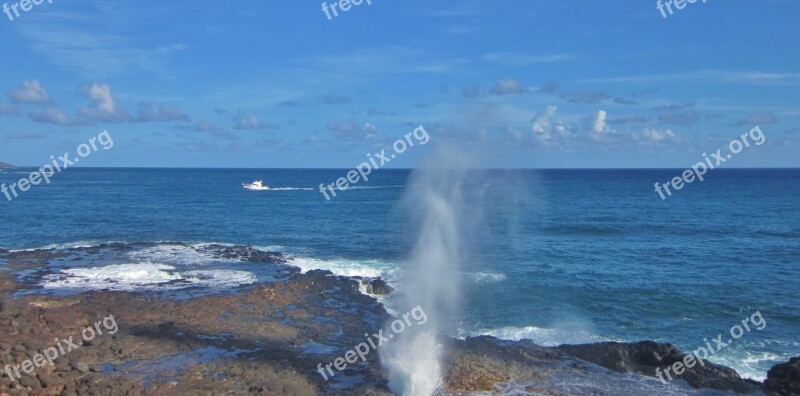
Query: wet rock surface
[272, 338]
[375, 286]
[245, 253]
[784, 378]
[647, 356]
[253, 342]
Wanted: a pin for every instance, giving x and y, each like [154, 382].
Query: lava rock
[784, 378]
[376, 286]
[82, 367]
[245, 253]
[646, 356]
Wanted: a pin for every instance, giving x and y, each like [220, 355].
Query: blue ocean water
[559, 256]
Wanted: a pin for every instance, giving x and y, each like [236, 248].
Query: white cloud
[352, 130]
[650, 136]
[758, 118]
[103, 106]
[206, 126]
[371, 131]
[101, 95]
[509, 86]
[29, 92]
[541, 122]
[69, 38]
[8, 109]
[249, 121]
[546, 131]
[151, 112]
[214, 129]
[656, 135]
[600, 127]
[711, 76]
[52, 115]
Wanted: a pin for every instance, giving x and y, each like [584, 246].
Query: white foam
[486, 277]
[114, 277]
[144, 276]
[220, 278]
[541, 336]
[63, 246]
[287, 250]
[752, 365]
[371, 187]
[291, 189]
[175, 254]
[344, 267]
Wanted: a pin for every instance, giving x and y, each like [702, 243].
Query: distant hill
[4, 165]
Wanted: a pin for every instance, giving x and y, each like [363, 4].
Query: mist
[436, 202]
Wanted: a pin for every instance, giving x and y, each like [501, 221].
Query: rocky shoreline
[270, 338]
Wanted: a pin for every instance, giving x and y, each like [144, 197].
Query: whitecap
[486, 277]
[344, 267]
[144, 276]
[176, 254]
[749, 365]
[66, 246]
[541, 336]
[112, 277]
[219, 278]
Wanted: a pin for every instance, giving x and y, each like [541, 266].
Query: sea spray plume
[435, 201]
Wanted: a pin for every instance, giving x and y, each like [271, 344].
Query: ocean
[556, 256]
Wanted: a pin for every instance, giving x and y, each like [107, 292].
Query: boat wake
[291, 189]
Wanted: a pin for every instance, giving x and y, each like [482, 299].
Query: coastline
[270, 337]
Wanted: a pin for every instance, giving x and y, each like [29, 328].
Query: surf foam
[345, 267]
[144, 276]
[547, 337]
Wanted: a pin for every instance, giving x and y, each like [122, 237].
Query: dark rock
[28, 380]
[318, 273]
[477, 364]
[376, 286]
[244, 253]
[647, 356]
[784, 378]
[38, 254]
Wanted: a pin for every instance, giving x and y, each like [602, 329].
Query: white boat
[257, 185]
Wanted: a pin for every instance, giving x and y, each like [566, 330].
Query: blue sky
[531, 84]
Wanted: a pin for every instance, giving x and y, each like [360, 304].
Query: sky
[520, 83]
